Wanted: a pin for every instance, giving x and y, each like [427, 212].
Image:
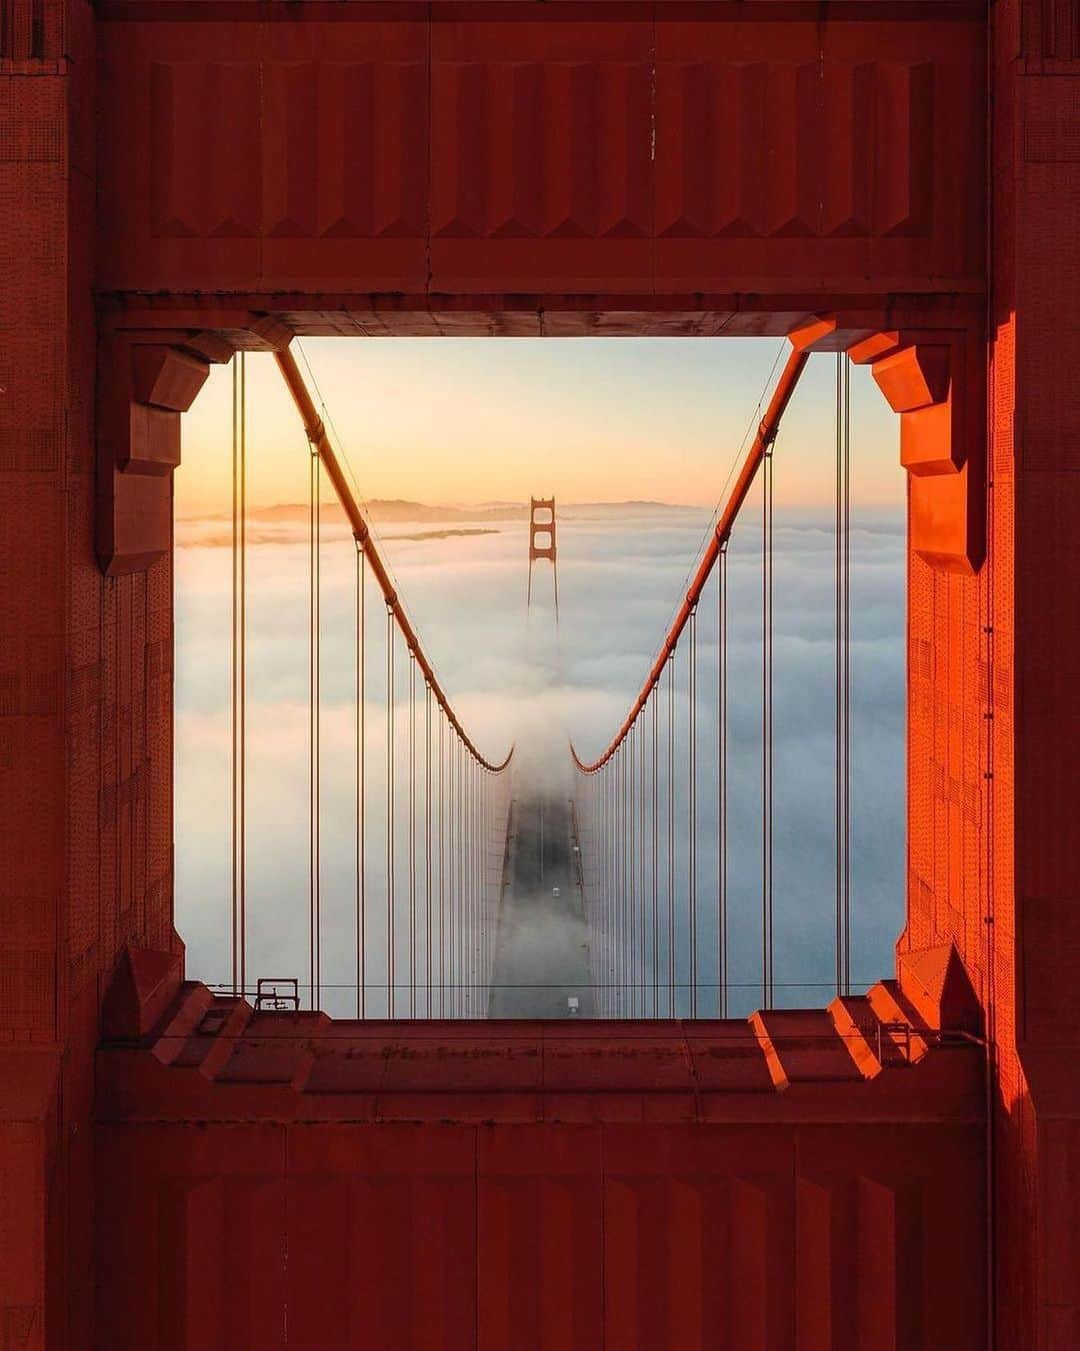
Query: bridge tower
[542, 540]
[143, 251]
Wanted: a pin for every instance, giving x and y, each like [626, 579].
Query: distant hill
[395, 510]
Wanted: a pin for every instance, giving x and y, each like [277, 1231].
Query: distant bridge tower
[542, 540]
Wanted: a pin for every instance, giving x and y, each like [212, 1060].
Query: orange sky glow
[589, 420]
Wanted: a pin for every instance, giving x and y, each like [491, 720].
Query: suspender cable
[481, 918]
[621, 876]
[485, 918]
[619, 879]
[631, 867]
[314, 701]
[598, 855]
[473, 856]
[653, 858]
[455, 877]
[490, 910]
[721, 787]
[766, 734]
[360, 768]
[847, 676]
[243, 672]
[463, 864]
[694, 956]
[609, 883]
[838, 629]
[485, 896]
[427, 843]
[640, 954]
[234, 658]
[627, 762]
[474, 850]
[616, 879]
[616, 887]
[671, 834]
[464, 889]
[412, 836]
[616, 882]
[616, 875]
[442, 865]
[495, 812]
[599, 968]
[472, 861]
[463, 909]
[452, 899]
[481, 877]
[391, 964]
[465, 930]
[610, 786]
[642, 902]
[843, 676]
[625, 875]
[239, 674]
[632, 810]
[467, 865]
[598, 953]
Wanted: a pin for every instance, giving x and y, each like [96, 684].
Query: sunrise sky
[600, 420]
[463, 421]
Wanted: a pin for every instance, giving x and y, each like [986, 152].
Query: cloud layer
[515, 675]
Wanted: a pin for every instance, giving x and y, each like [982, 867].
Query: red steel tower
[181, 182]
[542, 540]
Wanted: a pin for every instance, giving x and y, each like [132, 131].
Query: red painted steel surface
[213, 172]
[546, 1185]
[575, 150]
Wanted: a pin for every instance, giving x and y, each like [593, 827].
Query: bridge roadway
[541, 958]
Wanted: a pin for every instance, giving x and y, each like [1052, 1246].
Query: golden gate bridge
[181, 1167]
[464, 829]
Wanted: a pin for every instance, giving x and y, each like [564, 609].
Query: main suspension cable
[762, 443]
[320, 443]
